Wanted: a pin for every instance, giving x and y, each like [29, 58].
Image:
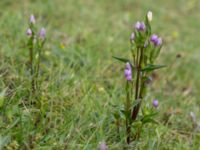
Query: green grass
[81, 80]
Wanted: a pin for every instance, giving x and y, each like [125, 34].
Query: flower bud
[32, 19]
[128, 72]
[132, 37]
[146, 44]
[149, 16]
[159, 41]
[137, 25]
[155, 103]
[29, 32]
[42, 33]
[102, 146]
[154, 38]
[140, 26]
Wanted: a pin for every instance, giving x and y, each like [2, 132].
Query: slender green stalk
[31, 65]
[128, 112]
[138, 85]
[38, 68]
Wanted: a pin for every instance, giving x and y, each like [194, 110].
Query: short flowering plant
[145, 48]
[36, 41]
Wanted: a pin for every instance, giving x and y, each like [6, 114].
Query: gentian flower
[149, 16]
[42, 33]
[140, 26]
[102, 146]
[128, 72]
[32, 19]
[29, 32]
[157, 41]
[154, 38]
[155, 103]
[137, 25]
[132, 37]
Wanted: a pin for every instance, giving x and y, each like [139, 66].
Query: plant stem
[38, 67]
[31, 66]
[128, 112]
[138, 68]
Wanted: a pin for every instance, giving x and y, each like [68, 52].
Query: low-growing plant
[35, 45]
[145, 48]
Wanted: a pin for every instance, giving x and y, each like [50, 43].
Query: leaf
[151, 67]
[149, 118]
[122, 59]
[137, 124]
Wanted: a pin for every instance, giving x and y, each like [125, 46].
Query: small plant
[35, 45]
[145, 48]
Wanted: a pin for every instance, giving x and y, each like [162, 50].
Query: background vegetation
[81, 81]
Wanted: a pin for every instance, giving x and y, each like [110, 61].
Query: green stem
[128, 112]
[137, 95]
[31, 65]
[38, 68]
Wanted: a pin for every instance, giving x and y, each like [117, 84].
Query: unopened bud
[42, 33]
[29, 32]
[150, 16]
[32, 19]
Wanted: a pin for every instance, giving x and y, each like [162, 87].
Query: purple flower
[32, 19]
[29, 32]
[128, 66]
[42, 33]
[132, 37]
[154, 38]
[155, 103]
[128, 72]
[102, 146]
[140, 26]
[157, 41]
[137, 25]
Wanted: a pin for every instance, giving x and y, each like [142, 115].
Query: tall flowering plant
[35, 45]
[145, 48]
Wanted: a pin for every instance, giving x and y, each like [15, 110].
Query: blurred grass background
[81, 80]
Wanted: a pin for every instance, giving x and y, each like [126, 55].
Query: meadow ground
[81, 80]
